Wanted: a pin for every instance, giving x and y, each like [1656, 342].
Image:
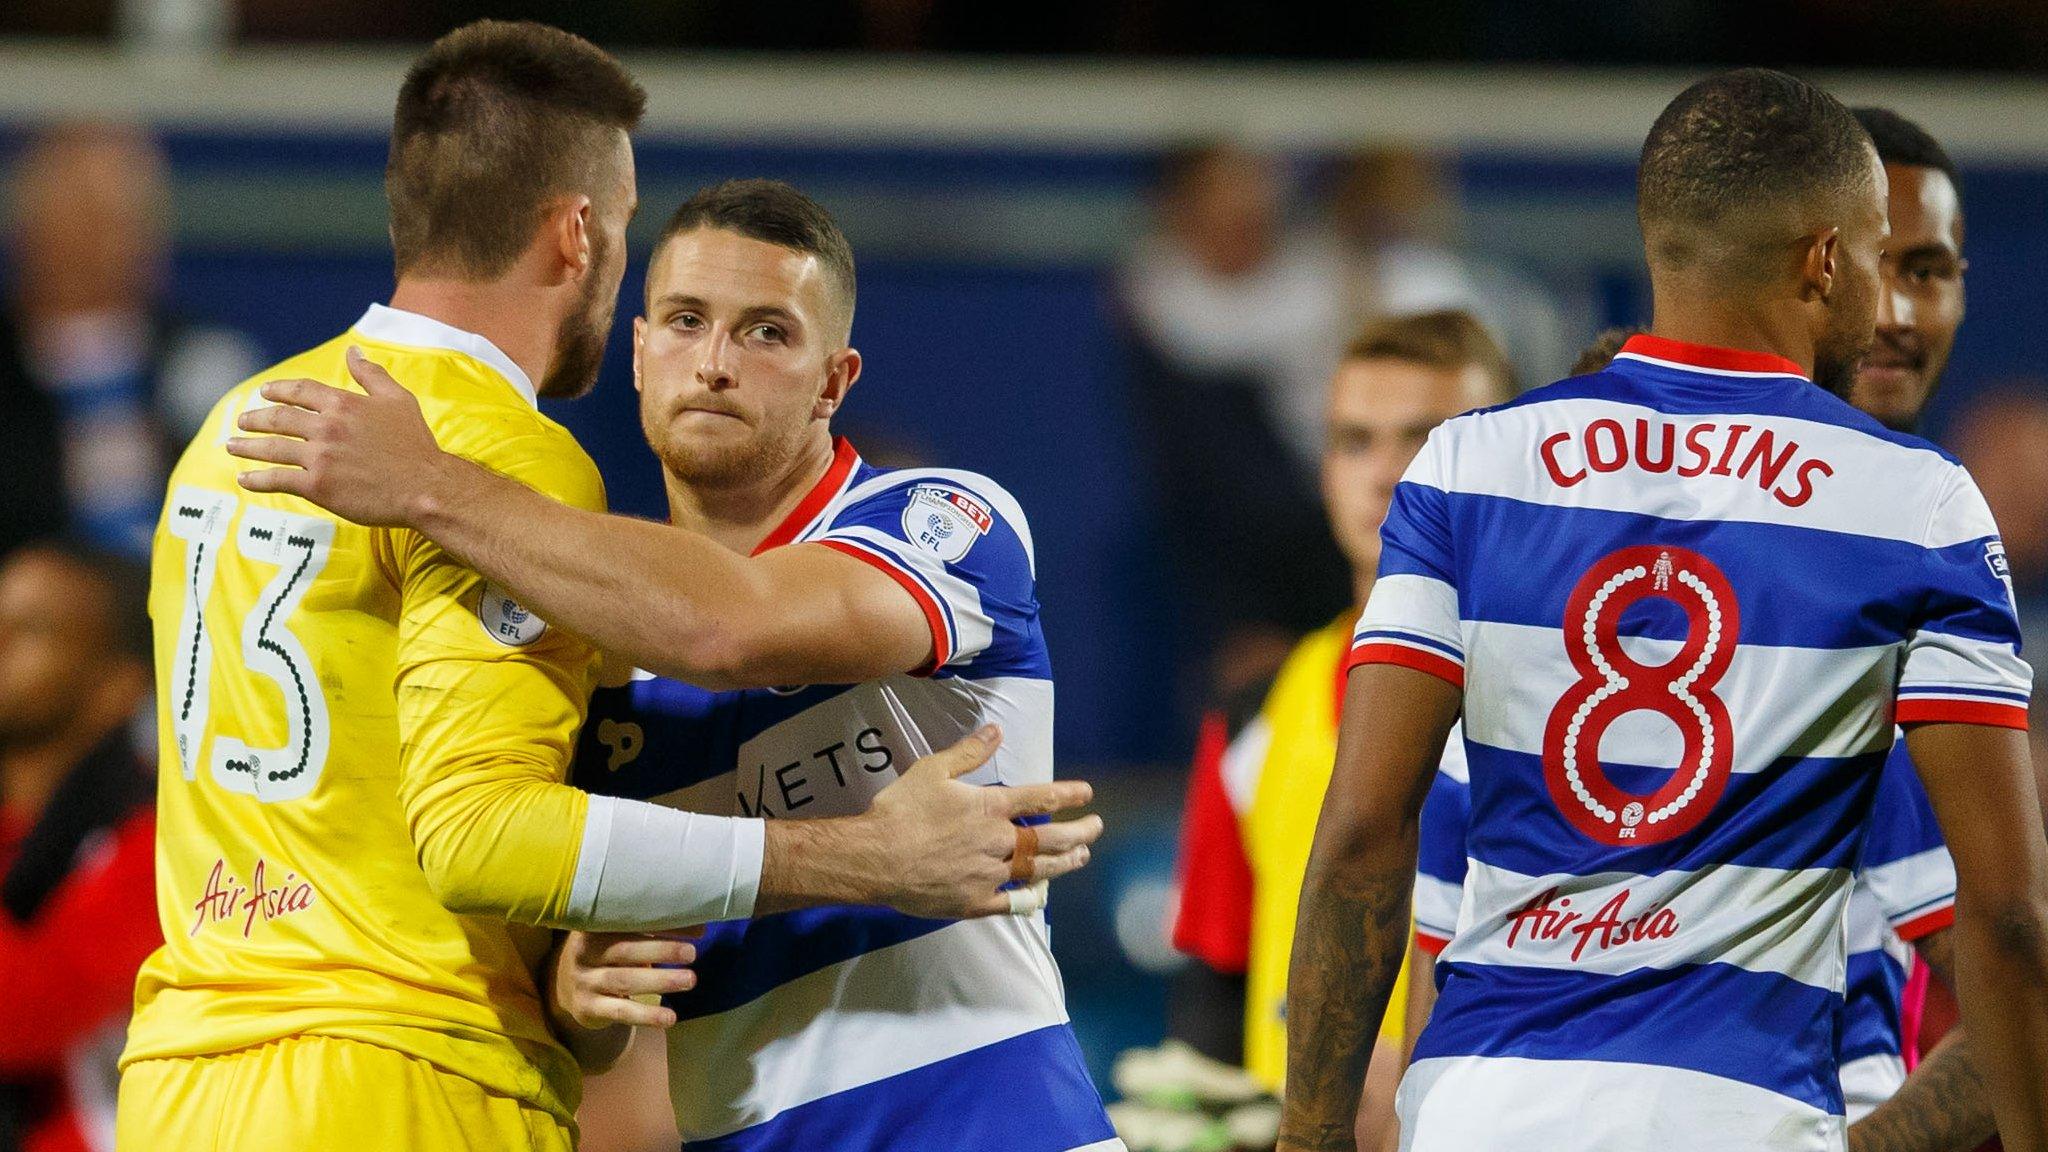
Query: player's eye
[768, 332]
[688, 320]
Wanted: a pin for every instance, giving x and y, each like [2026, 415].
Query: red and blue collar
[837, 475]
[1706, 358]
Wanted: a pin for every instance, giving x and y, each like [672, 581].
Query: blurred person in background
[1236, 319]
[2001, 432]
[1999, 435]
[77, 895]
[1258, 779]
[1941, 1106]
[1397, 212]
[1921, 306]
[99, 382]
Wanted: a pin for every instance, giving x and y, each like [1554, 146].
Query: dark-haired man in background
[1942, 1106]
[365, 824]
[825, 622]
[77, 841]
[1921, 305]
[1650, 953]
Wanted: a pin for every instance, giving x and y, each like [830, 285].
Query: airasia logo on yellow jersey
[272, 893]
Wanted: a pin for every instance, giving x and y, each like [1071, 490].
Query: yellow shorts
[321, 1094]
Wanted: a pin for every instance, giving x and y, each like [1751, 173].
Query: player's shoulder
[207, 450]
[941, 508]
[475, 411]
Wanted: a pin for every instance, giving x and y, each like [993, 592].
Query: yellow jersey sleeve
[489, 701]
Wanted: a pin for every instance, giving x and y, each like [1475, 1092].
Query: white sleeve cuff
[644, 867]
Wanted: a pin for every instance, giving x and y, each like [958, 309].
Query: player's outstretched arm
[1353, 926]
[1981, 781]
[671, 601]
[1943, 1106]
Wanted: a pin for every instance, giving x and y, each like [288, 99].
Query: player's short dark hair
[125, 580]
[1900, 141]
[1595, 357]
[1743, 140]
[1450, 339]
[496, 120]
[774, 213]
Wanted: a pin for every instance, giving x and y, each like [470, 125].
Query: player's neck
[742, 515]
[1716, 323]
[502, 312]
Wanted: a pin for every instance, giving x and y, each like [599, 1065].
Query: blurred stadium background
[1108, 253]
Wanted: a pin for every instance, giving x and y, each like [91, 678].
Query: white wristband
[644, 868]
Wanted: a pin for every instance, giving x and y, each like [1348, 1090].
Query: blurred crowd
[101, 383]
[1255, 284]
[1237, 305]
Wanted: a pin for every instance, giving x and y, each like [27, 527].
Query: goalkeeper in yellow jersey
[1259, 778]
[364, 833]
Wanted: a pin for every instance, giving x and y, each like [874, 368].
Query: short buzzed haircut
[1740, 143]
[774, 213]
[495, 122]
[1900, 141]
[1450, 339]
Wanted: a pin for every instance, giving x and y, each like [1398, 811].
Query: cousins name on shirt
[1762, 456]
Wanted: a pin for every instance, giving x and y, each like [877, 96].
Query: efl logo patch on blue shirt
[944, 521]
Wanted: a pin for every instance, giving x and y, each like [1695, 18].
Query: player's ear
[569, 228]
[842, 368]
[1817, 263]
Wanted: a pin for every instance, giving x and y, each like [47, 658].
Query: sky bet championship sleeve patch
[1994, 556]
[507, 622]
[945, 521]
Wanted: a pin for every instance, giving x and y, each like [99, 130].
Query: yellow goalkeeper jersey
[1289, 753]
[353, 727]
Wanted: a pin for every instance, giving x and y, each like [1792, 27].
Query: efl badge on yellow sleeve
[507, 622]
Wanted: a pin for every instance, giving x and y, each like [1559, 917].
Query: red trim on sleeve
[1430, 942]
[844, 458]
[1708, 356]
[1406, 657]
[1926, 924]
[1214, 920]
[934, 616]
[1929, 711]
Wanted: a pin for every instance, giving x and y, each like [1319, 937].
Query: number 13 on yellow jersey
[208, 522]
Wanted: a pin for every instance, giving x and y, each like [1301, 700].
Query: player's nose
[1894, 307]
[714, 363]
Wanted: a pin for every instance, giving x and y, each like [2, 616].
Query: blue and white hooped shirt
[1687, 599]
[853, 1028]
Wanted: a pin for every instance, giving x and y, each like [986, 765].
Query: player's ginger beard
[739, 495]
